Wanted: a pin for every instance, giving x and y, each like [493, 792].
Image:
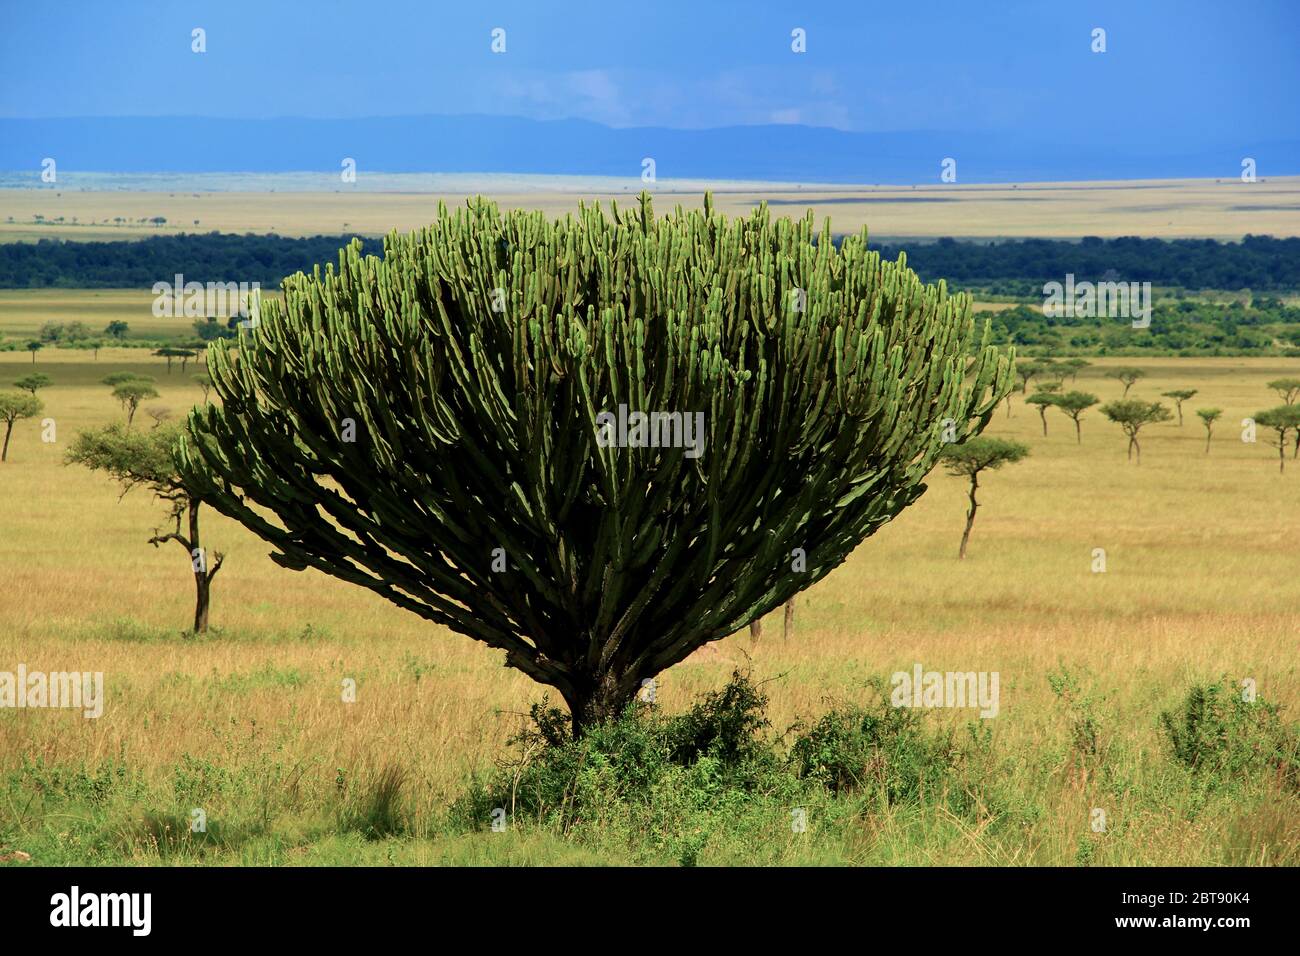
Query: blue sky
[1179, 74]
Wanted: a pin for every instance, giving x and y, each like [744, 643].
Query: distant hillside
[495, 144]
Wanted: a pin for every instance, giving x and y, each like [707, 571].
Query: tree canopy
[973, 457]
[131, 393]
[1133, 414]
[13, 407]
[980, 454]
[34, 382]
[438, 425]
[147, 458]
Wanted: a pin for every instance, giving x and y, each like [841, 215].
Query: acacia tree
[1032, 370]
[1208, 417]
[443, 425]
[117, 378]
[159, 413]
[34, 382]
[147, 458]
[131, 393]
[1179, 396]
[1075, 404]
[1281, 420]
[34, 346]
[15, 406]
[1074, 366]
[1288, 389]
[174, 353]
[1127, 376]
[1043, 400]
[1132, 414]
[972, 457]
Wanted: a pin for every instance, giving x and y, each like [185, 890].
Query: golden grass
[24, 311]
[1201, 581]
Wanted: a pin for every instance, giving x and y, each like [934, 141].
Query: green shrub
[878, 748]
[1085, 721]
[718, 745]
[673, 781]
[1219, 735]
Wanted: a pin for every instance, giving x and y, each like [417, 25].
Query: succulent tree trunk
[600, 698]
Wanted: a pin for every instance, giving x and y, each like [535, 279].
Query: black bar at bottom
[214, 905]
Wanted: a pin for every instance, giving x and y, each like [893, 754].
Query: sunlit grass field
[1223, 209]
[248, 723]
[24, 311]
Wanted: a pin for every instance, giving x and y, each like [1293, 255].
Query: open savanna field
[1224, 209]
[248, 723]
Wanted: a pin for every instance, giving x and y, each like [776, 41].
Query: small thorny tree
[34, 382]
[131, 393]
[1179, 396]
[1043, 400]
[148, 458]
[596, 443]
[13, 407]
[1208, 417]
[1281, 420]
[1288, 389]
[1132, 415]
[970, 459]
[1075, 404]
[1127, 375]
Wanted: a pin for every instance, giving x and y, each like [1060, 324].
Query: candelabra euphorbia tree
[596, 443]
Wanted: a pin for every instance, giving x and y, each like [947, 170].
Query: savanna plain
[1120, 689]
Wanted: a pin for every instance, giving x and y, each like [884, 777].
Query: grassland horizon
[1225, 209]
